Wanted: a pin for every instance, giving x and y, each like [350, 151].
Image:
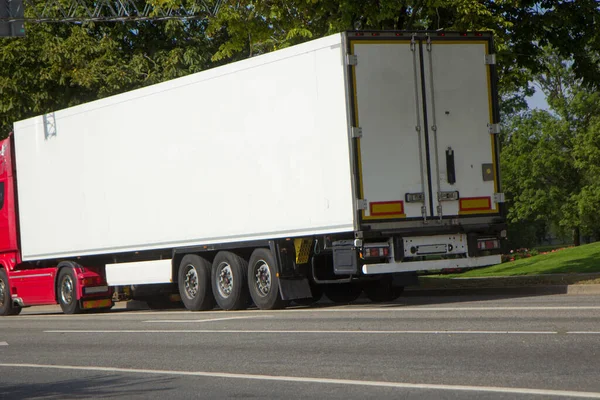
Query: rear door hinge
[490, 59]
[499, 198]
[351, 59]
[362, 204]
[356, 132]
[494, 128]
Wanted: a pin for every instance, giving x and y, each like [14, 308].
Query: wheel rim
[225, 276]
[2, 292]
[262, 277]
[191, 282]
[66, 290]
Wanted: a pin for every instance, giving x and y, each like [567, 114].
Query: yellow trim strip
[387, 208]
[359, 155]
[475, 203]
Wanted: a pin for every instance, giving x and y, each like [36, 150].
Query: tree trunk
[576, 235]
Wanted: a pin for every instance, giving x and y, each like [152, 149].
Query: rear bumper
[392, 268]
[95, 290]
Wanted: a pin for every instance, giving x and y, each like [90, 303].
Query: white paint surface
[256, 149]
[137, 273]
[318, 332]
[387, 113]
[169, 321]
[462, 111]
[386, 268]
[326, 381]
[390, 108]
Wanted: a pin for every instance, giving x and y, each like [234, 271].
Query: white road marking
[207, 320]
[301, 379]
[337, 332]
[393, 308]
[3, 344]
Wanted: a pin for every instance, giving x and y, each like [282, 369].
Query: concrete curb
[591, 289]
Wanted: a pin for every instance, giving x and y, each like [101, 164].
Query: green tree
[551, 160]
[60, 65]
[522, 29]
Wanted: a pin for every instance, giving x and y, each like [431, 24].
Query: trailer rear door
[426, 111]
[460, 106]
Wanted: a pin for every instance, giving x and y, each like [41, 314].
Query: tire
[6, 305]
[66, 291]
[229, 281]
[263, 283]
[16, 310]
[193, 279]
[382, 291]
[342, 293]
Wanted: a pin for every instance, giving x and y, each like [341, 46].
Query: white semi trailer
[345, 164]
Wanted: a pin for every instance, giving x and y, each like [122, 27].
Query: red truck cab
[39, 282]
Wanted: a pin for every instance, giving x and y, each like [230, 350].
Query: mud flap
[291, 289]
[345, 258]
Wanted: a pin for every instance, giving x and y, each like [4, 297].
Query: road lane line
[3, 344]
[391, 308]
[330, 381]
[337, 332]
[397, 309]
[207, 320]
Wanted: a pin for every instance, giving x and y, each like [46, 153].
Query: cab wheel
[67, 291]
[6, 305]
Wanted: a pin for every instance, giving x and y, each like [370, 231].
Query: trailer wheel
[342, 293]
[67, 291]
[6, 305]
[383, 291]
[194, 283]
[263, 282]
[229, 284]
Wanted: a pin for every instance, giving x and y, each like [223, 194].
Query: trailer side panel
[252, 150]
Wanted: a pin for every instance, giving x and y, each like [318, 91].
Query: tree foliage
[551, 159]
[60, 65]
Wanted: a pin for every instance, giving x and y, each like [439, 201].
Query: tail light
[488, 244]
[377, 252]
[92, 281]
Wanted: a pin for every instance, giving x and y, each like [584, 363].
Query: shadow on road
[412, 296]
[92, 387]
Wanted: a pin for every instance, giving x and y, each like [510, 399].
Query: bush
[514, 255]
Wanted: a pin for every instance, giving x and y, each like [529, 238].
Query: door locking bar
[413, 49]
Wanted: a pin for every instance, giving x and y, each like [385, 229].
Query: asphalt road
[417, 348]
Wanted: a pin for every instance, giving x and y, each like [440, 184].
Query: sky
[538, 100]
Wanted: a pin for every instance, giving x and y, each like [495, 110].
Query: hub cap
[225, 276]
[262, 277]
[66, 290]
[191, 282]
